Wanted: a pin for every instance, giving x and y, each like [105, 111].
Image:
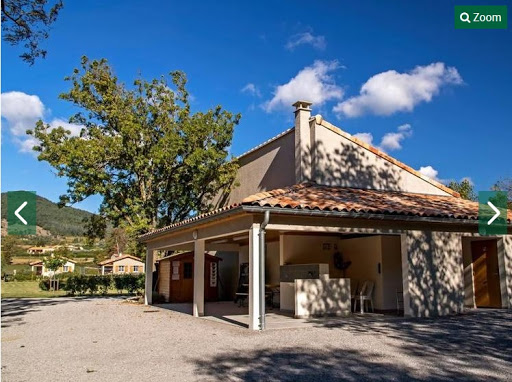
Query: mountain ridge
[65, 221]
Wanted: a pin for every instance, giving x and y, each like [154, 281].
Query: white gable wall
[340, 162]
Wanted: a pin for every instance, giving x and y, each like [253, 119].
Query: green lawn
[18, 289]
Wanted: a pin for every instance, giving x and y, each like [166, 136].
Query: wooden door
[187, 284]
[486, 278]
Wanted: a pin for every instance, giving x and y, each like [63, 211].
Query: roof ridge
[266, 142]
[387, 157]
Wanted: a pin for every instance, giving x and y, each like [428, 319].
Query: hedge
[93, 284]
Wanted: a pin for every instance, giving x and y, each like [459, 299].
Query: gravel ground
[107, 339]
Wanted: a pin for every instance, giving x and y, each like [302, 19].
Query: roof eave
[360, 215]
[150, 236]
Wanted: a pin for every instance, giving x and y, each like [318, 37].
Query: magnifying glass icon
[464, 17]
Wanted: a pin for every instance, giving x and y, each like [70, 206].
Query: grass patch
[19, 289]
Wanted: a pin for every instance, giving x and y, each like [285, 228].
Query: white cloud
[251, 89]
[365, 137]
[22, 111]
[307, 38]
[389, 92]
[429, 171]
[390, 141]
[313, 83]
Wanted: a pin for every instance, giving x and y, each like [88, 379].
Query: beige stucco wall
[269, 167]
[341, 162]
[365, 253]
[323, 296]
[391, 270]
[435, 275]
[309, 249]
[128, 262]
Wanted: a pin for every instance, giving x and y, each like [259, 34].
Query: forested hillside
[66, 221]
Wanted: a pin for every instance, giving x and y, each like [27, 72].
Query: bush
[119, 283]
[141, 283]
[24, 276]
[44, 284]
[104, 283]
[81, 284]
[77, 284]
[92, 283]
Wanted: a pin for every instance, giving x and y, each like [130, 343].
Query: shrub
[77, 284]
[24, 276]
[104, 283]
[44, 284]
[92, 283]
[141, 283]
[119, 283]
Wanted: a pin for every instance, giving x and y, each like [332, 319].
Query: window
[121, 268]
[213, 275]
[66, 268]
[135, 269]
[187, 270]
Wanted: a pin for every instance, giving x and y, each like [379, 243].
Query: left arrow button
[17, 213]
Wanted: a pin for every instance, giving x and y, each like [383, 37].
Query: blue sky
[450, 107]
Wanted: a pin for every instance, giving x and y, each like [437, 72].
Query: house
[318, 212]
[40, 270]
[119, 264]
[40, 250]
[175, 277]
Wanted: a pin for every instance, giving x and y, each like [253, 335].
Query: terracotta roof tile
[108, 261]
[343, 199]
[308, 196]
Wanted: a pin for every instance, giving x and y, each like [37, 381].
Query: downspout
[266, 218]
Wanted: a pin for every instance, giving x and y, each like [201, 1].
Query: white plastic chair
[366, 294]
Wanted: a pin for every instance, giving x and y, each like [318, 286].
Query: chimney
[302, 141]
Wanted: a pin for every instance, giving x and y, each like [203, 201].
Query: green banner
[480, 17]
[492, 213]
[21, 213]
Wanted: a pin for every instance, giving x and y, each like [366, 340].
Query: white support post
[148, 295]
[405, 275]
[198, 307]
[254, 283]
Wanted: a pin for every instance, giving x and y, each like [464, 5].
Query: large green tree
[28, 22]
[464, 188]
[505, 185]
[152, 160]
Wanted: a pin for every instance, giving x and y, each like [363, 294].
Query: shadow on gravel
[13, 309]
[471, 347]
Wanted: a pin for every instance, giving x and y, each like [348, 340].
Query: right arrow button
[496, 215]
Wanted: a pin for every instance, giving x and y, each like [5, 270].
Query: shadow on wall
[351, 166]
[445, 349]
[321, 297]
[436, 273]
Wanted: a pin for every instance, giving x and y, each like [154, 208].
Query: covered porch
[405, 253]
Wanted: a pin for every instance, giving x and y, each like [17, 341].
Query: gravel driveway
[108, 339]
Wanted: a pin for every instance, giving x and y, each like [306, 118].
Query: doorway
[486, 278]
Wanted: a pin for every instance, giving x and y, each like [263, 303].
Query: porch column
[148, 292]
[254, 282]
[198, 307]
[405, 275]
